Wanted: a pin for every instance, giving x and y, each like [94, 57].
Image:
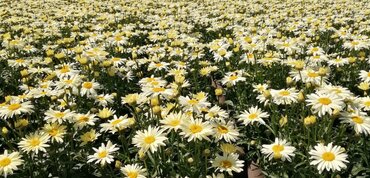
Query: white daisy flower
[150, 139]
[329, 158]
[9, 162]
[359, 120]
[323, 103]
[103, 154]
[196, 129]
[254, 114]
[228, 162]
[280, 149]
[15, 108]
[134, 171]
[34, 142]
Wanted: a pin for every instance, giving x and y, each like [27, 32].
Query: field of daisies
[213, 89]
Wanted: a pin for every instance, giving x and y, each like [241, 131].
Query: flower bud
[118, 164]
[289, 80]
[218, 91]
[4, 130]
[24, 72]
[157, 110]
[154, 101]
[309, 120]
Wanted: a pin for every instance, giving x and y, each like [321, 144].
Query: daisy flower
[9, 162]
[53, 116]
[365, 103]
[340, 91]
[149, 139]
[116, 124]
[173, 121]
[315, 50]
[89, 88]
[15, 108]
[228, 163]
[216, 113]
[82, 120]
[103, 154]
[324, 103]
[152, 81]
[284, 96]
[365, 76]
[154, 91]
[194, 104]
[104, 100]
[227, 132]
[359, 120]
[134, 171]
[254, 114]
[106, 113]
[55, 131]
[196, 129]
[329, 158]
[338, 62]
[89, 136]
[34, 142]
[134, 99]
[280, 149]
[232, 78]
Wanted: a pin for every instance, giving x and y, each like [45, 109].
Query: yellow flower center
[357, 120]
[149, 139]
[226, 164]
[20, 61]
[328, 156]
[312, 74]
[5, 162]
[68, 81]
[102, 154]
[132, 174]
[324, 101]
[150, 79]
[193, 102]
[222, 52]
[277, 148]
[195, 128]
[367, 103]
[115, 122]
[368, 74]
[174, 123]
[234, 77]
[53, 132]
[354, 43]
[118, 38]
[34, 142]
[159, 89]
[158, 65]
[64, 69]
[59, 114]
[154, 83]
[83, 119]
[284, 93]
[14, 107]
[87, 85]
[252, 116]
[222, 129]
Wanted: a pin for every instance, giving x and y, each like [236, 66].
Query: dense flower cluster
[184, 88]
